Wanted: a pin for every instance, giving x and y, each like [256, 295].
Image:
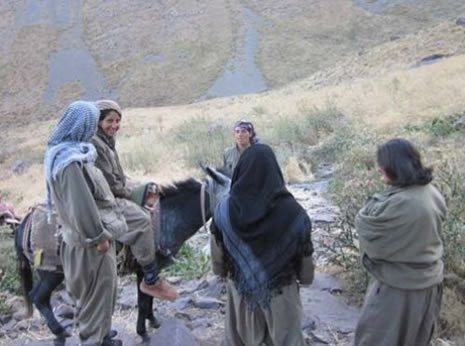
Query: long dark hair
[401, 161]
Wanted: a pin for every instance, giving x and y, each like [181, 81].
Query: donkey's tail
[24, 267]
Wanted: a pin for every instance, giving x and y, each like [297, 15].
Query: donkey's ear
[214, 174]
[218, 176]
[203, 167]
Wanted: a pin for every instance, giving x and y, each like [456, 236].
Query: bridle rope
[202, 206]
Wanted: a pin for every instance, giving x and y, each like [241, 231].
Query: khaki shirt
[108, 162]
[231, 158]
[86, 207]
[400, 236]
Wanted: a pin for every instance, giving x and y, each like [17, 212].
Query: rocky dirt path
[196, 318]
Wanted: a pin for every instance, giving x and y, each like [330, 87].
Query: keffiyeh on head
[78, 124]
[69, 141]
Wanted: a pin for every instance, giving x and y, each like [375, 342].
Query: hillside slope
[384, 97]
[170, 52]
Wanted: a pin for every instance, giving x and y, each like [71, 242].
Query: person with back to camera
[84, 203]
[400, 243]
[244, 136]
[261, 243]
[134, 202]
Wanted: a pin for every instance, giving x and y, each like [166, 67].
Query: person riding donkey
[135, 202]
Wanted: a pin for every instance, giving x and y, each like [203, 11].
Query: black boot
[109, 340]
[112, 342]
[111, 334]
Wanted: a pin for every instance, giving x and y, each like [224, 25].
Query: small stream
[71, 61]
[241, 75]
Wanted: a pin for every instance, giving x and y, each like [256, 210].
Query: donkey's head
[182, 206]
[217, 184]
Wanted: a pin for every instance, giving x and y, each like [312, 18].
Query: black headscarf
[259, 204]
[263, 227]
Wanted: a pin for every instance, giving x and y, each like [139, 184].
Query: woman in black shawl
[262, 243]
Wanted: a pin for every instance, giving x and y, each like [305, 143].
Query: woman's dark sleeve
[305, 265]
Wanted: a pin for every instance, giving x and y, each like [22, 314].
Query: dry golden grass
[383, 103]
[300, 38]
[377, 91]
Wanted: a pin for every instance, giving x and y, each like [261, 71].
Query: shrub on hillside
[450, 178]
[203, 140]
[9, 279]
[307, 128]
[442, 127]
[356, 180]
[297, 136]
[143, 155]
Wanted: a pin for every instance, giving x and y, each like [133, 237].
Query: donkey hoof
[145, 338]
[59, 341]
[154, 323]
[112, 342]
[63, 333]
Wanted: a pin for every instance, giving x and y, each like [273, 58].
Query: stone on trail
[9, 325]
[182, 303]
[173, 333]
[325, 282]
[200, 323]
[127, 297]
[4, 319]
[325, 315]
[206, 302]
[194, 286]
[214, 289]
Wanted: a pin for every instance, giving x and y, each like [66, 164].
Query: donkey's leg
[148, 305]
[153, 320]
[143, 303]
[41, 297]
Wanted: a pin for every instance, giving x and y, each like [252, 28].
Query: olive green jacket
[108, 162]
[400, 236]
[230, 158]
[85, 205]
